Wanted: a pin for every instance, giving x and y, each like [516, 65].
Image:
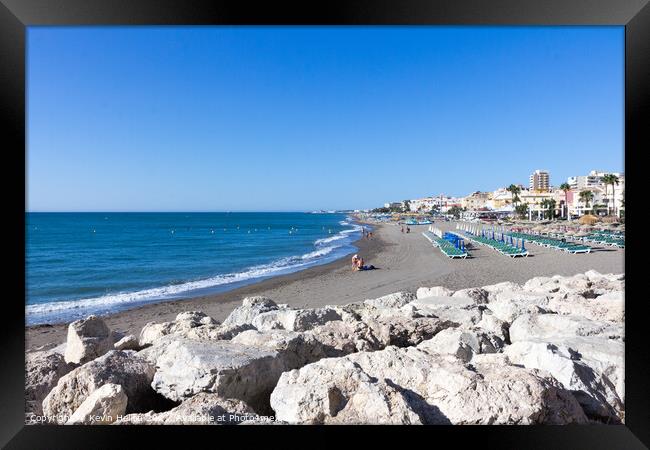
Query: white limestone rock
[43, 370]
[479, 295]
[128, 342]
[463, 343]
[438, 388]
[101, 407]
[592, 388]
[395, 300]
[125, 368]
[553, 326]
[87, 339]
[250, 308]
[435, 291]
[201, 409]
[295, 319]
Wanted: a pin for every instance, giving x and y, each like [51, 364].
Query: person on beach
[408, 229]
[355, 260]
[402, 229]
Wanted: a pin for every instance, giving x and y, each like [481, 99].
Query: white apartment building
[594, 179]
[540, 180]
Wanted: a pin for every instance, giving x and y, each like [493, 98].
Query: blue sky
[280, 118]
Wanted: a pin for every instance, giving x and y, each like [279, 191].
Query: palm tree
[566, 188]
[608, 179]
[514, 190]
[586, 197]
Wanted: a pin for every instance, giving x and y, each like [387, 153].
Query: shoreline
[166, 310]
[405, 262]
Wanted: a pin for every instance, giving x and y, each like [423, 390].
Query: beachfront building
[499, 199]
[446, 203]
[423, 205]
[594, 179]
[577, 207]
[534, 199]
[540, 181]
[393, 205]
[613, 195]
[475, 201]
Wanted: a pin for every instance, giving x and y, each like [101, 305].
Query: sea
[78, 264]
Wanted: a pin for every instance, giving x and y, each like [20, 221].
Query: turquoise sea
[96, 263]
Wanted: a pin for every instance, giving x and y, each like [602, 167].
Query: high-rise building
[540, 181]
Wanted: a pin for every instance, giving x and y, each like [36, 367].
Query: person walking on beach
[402, 229]
[408, 229]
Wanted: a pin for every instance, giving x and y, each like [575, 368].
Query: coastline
[405, 262]
[220, 304]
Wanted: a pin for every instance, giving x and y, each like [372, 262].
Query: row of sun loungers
[554, 243]
[502, 247]
[446, 247]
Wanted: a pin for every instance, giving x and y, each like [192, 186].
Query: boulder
[42, 371]
[347, 395]
[250, 308]
[506, 286]
[463, 343]
[552, 326]
[194, 323]
[101, 407]
[87, 339]
[608, 307]
[129, 342]
[339, 337]
[479, 295]
[217, 332]
[460, 310]
[127, 369]
[245, 368]
[438, 388]
[404, 331]
[201, 409]
[395, 300]
[436, 291]
[593, 389]
[153, 331]
[295, 319]
[507, 306]
[492, 324]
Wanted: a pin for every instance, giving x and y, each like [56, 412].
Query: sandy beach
[404, 262]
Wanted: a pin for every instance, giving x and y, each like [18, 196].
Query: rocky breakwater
[546, 352]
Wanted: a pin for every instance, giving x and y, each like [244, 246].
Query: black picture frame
[16, 15]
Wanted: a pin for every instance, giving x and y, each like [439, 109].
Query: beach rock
[339, 337]
[607, 307]
[42, 371]
[127, 369]
[404, 331]
[463, 343]
[593, 389]
[101, 407]
[250, 308]
[395, 300]
[87, 339]
[217, 332]
[295, 349]
[129, 342]
[438, 388]
[192, 319]
[506, 286]
[479, 295]
[153, 331]
[339, 393]
[436, 291]
[460, 310]
[492, 324]
[239, 369]
[507, 306]
[295, 319]
[553, 326]
[201, 409]
[194, 323]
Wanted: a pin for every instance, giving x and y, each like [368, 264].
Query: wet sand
[403, 261]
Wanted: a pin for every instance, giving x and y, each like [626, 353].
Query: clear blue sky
[277, 118]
